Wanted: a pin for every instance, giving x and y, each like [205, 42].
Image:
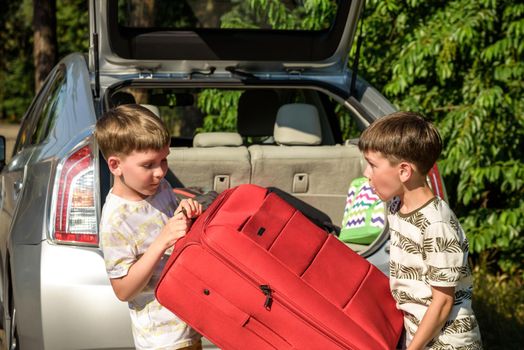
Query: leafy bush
[220, 109]
[16, 49]
[16, 59]
[460, 63]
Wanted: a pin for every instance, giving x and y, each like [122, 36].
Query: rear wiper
[240, 73]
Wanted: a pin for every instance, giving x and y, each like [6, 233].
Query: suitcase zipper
[269, 293]
[293, 309]
[269, 299]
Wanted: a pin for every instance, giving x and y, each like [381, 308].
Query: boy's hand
[179, 224]
[175, 228]
[189, 207]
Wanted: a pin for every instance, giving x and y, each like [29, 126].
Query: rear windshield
[251, 113]
[289, 15]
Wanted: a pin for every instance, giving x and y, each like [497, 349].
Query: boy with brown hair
[141, 221]
[429, 274]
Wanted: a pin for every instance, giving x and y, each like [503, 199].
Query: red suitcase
[254, 273]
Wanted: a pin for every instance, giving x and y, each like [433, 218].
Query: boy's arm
[435, 317]
[139, 274]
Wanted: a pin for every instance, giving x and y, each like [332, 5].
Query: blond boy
[141, 220]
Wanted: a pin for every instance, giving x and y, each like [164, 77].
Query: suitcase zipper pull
[267, 292]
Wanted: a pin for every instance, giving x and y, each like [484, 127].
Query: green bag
[364, 214]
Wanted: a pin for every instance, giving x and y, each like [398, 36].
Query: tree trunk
[45, 45]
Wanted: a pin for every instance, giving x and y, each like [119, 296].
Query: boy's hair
[129, 128]
[403, 136]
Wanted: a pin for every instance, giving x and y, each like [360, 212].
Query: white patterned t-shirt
[429, 248]
[127, 229]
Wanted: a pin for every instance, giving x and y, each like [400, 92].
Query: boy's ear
[113, 163]
[405, 171]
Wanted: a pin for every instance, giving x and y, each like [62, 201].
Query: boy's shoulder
[439, 217]
[438, 210]
[115, 209]
[115, 202]
[434, 211]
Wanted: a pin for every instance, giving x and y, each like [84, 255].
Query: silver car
[54, 292]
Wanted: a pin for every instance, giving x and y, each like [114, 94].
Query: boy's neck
[123, 191]
[416, 194]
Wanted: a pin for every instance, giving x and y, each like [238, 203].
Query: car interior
[286, 139]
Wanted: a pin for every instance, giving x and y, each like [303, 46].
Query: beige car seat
[217, 161]
[300, 165]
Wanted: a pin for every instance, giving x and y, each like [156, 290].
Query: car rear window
[288, 15]
[252, 112]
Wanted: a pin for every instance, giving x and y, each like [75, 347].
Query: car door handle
[17, 186]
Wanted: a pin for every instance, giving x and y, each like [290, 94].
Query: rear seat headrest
[257, 110]
[214, 139]
[297, 124]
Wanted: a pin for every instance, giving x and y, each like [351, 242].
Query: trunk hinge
[147, 72]
[296, 72]
[354, 69]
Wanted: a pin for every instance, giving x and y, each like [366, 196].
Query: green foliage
[460, 63]
[16, 49]
[72, 22]
[16, 59]
[276, 14]
[348, 125]
[220, 109]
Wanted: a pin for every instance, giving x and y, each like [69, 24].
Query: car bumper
[79, 307]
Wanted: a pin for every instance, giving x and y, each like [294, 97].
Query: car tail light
[76, 208]
[436, 183]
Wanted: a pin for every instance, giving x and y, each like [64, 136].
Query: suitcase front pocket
[212, 309]
[193, 284]
[267, 334]
[267, 223]
[338, 282]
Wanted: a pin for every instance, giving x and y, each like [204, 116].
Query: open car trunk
[164, 36]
